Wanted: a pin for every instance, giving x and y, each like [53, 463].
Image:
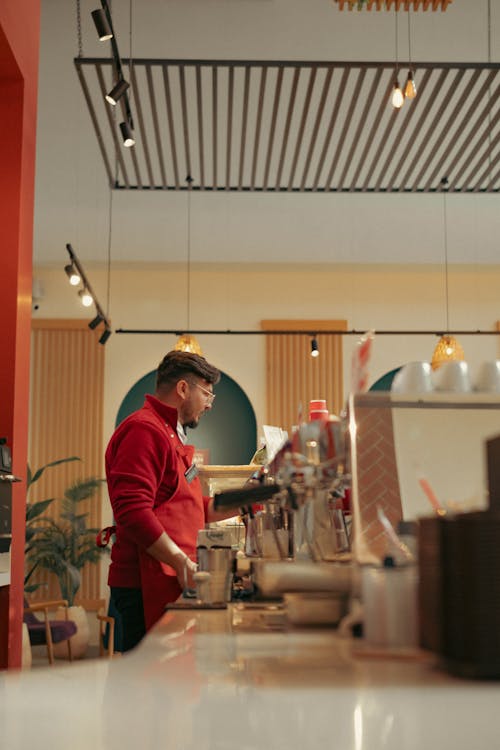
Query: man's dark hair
[178, 365]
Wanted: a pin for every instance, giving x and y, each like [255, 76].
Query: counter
[225, 679]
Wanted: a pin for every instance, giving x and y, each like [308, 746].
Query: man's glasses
[209, 394]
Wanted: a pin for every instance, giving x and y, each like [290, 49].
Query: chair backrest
[29, 617]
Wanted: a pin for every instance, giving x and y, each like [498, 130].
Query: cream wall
[238, 297]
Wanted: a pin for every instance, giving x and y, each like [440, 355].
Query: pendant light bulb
[410, 87]
[314, 348]
[397, 98]
[72, 274]
[86, 297]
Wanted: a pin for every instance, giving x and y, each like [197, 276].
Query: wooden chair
[106, 621]
[47, 632]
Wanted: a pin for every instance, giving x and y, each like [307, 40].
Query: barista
[156, 495]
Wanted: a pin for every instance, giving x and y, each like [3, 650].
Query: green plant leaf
[33, 510]
[38, 473]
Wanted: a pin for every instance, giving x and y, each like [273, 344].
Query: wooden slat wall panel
[293, 377]
[66, 414]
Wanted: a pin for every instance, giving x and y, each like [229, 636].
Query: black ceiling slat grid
[485, 159]
[214, 123]
[304, 142]
[286, 133]
[131, 152]
[185, 125]
[244, 120]
[347, 124]
[459, 125]
[302, 125]
[432, 127]
[110, 117]
[272, 129]
[318, 119]
[384, 138]
[331, 126]
[361, 126]
[258, 124]
[171, 128]
[156, 125]
[136, 99]
[199, 105]
[473, 150]
[404, 126]
[371, 138]
[230, 94]
[418, 127]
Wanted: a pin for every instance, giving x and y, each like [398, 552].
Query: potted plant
[63, 547]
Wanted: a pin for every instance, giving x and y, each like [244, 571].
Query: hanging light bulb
[448, 349]
[85, 297]
[397, 98]
[314, 347]
[188, 343]
[72, 274]
[410, 87]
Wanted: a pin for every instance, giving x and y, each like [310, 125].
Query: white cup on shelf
[487, 378]
[414, 377]
[452, 377]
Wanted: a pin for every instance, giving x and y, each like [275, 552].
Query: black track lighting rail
[303, 332]
[117, 62]
[101, 316]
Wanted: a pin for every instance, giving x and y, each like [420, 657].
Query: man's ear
[182, 389]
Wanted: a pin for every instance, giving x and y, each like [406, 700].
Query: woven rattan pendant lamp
[448, 349]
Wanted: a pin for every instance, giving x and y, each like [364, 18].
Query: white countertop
[200, 681]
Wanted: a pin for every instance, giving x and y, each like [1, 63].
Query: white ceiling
[73, 200]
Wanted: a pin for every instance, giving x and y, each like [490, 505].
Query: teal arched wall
[228, 430]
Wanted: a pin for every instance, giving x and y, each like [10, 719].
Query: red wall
[19, 49]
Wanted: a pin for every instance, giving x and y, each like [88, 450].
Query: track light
[105, 336]
[314, 348]
[85, 297]
[128, 138]
[397, 98]
[95, 322]
[72, 274]
[102, 25]
[410, 87]
[117, 91]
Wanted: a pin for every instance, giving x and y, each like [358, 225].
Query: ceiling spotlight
[72, 274]
[117, 91]
[128, 138]
[85, 297]
[95, 322]
[397, 98]
[410, 87]
[314, 348]
[102, 25]
[105, 336]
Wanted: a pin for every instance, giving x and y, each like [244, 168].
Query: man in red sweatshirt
[156, 495]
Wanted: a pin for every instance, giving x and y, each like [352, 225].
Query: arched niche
[228, 431]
